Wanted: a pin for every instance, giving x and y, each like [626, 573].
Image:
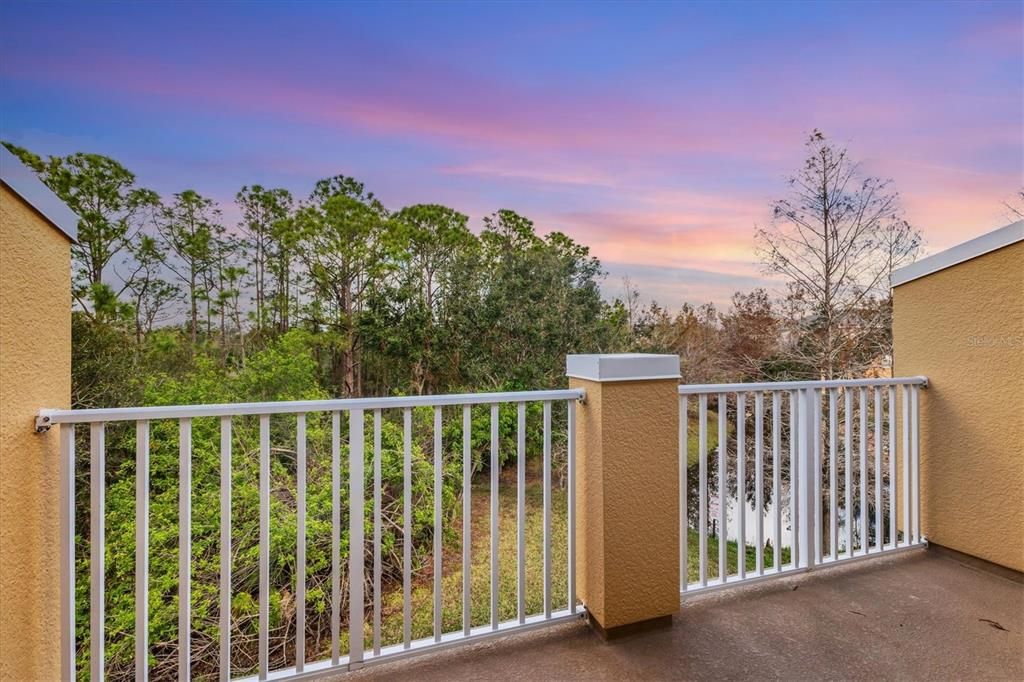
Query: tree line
[409, 300]
[413, 301]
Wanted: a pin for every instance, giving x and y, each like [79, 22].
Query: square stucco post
[627, 489]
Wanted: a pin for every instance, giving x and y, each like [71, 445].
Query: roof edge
[31, 189]
[979, 246]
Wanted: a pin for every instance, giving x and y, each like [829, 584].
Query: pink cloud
[542, 174]
[949, 204]
[643, 164]
[465, 110]
[663, 239]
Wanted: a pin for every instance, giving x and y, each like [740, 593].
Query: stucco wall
[963, 328]
[627, 500]
[35, 371]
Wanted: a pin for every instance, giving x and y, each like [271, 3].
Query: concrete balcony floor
[922, 615]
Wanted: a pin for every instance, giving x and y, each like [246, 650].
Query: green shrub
[284, 371]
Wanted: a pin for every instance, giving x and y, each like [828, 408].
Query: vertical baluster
[356, 547]
[777, 478]
[225, 549]
[264, 558]
[377, 567]
[67, 552]
[809, 475]
[833, 501]
[892, 465]
[335, 536]
[906, 465]
[794, 476]
[547, 508]
[879, 531]
[723, 533]
[848, 473]
[684, 455]
[141, 551]
[741, 484]
[407, 528]
[97, 550]
[702, 424]
[521, 512]
[300, 543]
[759, 481]
[819, 530]
[185, 550]
[915, 468]
[438, 533]
[467, 516]
[864, 544]
[495, 471]
[571, 504]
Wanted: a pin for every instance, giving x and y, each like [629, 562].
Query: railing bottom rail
[419, 647]
[695, 589]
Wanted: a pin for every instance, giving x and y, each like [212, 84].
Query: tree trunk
[194, 311]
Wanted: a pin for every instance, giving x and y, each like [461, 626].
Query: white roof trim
[25, 184]
[996, 239]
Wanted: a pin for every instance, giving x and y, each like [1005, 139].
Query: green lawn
[731, 552]
[451, 591]
[480, 576]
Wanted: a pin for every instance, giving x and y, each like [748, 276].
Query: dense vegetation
[336, 295]
[331, 296]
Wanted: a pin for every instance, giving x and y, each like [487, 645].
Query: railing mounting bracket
[43, 422]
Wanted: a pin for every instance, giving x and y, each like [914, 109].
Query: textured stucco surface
[35, 372]
[627, 500]
[963, 328]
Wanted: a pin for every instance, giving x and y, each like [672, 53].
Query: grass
[731, 555]
[422, 612]
[693, 433]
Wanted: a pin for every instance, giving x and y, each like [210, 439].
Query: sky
[655, 133]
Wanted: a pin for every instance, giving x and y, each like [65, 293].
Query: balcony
[803, 496]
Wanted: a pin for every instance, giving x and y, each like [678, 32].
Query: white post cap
[622, 366]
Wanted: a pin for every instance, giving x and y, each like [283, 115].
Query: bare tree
[631, 299]
[835, 240]
[750, 335]
[1015, 206]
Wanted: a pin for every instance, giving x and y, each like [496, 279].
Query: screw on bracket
[43, 423]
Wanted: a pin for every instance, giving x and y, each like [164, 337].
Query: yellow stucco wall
[627, 500]
[963, 328]
[35, 372]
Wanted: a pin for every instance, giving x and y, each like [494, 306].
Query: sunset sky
[655, 133]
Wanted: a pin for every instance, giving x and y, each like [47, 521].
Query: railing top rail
[697, 389]
[48, 417]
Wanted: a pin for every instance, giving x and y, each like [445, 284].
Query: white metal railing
[814, 515]
[355, 410]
